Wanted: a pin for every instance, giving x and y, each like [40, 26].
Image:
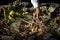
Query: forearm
[36, 6]
[37, 9]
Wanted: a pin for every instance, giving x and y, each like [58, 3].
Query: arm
[36, 6]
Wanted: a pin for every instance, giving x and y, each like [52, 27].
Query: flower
[11, 12]
[10, 17]
[25, 13]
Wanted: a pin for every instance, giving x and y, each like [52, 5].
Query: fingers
[35, 16]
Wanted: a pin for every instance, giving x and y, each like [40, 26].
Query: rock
[52, 39]
[47, 36]
[32, 38]
[7, 38]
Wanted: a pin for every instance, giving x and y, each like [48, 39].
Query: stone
[7, 37]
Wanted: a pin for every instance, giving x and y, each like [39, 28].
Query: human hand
[36, 14]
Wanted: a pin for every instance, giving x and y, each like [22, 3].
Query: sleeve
[34, 3]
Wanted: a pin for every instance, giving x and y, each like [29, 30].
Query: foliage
[18, 20]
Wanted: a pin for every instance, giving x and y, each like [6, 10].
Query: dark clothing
[5, 2]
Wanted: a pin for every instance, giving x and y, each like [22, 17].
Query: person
[34, 4]
[37, 9]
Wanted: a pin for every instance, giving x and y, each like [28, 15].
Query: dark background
[5, 2]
